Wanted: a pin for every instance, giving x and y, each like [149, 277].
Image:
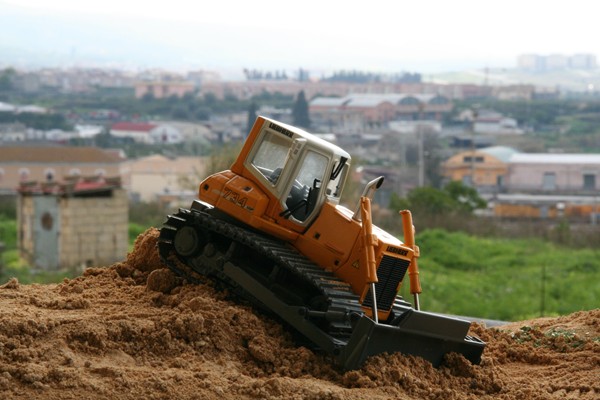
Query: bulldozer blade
[418, 333]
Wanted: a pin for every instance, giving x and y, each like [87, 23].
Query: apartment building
[531, 185]
[361, 111]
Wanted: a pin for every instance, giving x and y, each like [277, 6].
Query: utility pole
[475, 115]
[2, 248]
[595, 214]
[421, 155]
[421, 149]
[543, 291]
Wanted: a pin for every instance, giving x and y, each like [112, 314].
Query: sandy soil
[133, 330]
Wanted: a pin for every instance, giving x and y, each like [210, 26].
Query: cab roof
[321, 143]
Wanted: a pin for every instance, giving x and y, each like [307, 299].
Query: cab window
[304, 191]
[270, 157]
[334, 186]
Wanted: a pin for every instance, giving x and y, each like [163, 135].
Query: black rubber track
[336, 297]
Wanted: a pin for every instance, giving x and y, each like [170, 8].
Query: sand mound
[134, 330]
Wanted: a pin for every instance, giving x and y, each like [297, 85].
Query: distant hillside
[565, 80]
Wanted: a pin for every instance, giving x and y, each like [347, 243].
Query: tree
[251, 117]
[465, 196]
[7, 77]
[180, 112]
[210, 99]
[203, 113]
[303, 75]
[454, 198]
[428, 200]
[148, 97]
[432, 157]
[300, 111]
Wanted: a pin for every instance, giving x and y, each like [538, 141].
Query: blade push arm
[369, 242]
[413, 269]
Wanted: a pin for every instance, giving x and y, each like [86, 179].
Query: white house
[165, 134]
[30, 108]
[142, 132]
[6, 107]
[88, 131]
[156, 176]
[492, 122]
[15, 132]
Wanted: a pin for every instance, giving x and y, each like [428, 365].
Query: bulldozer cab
[299, 170]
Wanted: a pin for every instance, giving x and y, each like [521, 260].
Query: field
[506, 279]
[133, 330]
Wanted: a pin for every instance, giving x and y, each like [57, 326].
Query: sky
[377, 35]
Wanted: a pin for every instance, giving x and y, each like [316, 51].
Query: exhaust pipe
[369, 191]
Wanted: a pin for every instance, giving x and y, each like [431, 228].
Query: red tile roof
[26, 154]
[80, 186]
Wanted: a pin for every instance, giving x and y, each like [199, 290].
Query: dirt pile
[134, 330]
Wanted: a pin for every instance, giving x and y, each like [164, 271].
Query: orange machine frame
[351, 248]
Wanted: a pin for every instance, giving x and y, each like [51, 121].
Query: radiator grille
[389, 274]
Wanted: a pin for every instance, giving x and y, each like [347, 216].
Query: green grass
[26, 275]
[8, 231]
[505, 279]
[14, 267]
[134, 231]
